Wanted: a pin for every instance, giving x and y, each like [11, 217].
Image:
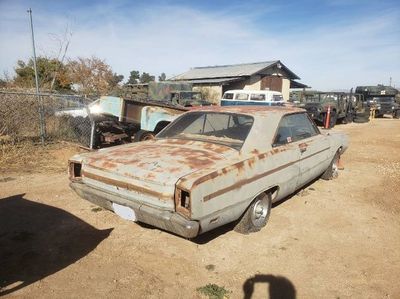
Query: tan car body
[189, 187]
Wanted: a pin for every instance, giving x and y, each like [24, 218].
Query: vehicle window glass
[257, 97]
[277, 97]
[294, 127]
[301, 127]
[223, 128]
[242, 96]
[284, 133]
[228, 96]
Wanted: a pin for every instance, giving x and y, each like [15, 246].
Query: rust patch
[108, 165]
[251, 162]
[124, 185]
[257, 177]
[255, 151]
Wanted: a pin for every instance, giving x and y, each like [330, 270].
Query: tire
[361, 119]
[332, 171]
[143, 135]
[397, 114]
[256, 215]
[348, 118]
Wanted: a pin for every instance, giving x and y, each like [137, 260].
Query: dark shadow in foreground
[279, 286]
[37, 240]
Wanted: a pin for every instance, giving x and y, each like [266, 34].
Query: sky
[329, 44]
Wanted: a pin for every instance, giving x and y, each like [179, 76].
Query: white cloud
[172, 39]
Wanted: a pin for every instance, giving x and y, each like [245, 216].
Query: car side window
[242, 96]
[257, 97]
[302, 127]
[294, 127]
[228, 96]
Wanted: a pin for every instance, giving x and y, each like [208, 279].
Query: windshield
[321, 97]
[329, 98]
[222, 128]
[191, 95]
[384, 99]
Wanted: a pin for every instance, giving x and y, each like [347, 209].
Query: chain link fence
[62, 117]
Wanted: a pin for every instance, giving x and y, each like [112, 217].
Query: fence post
[41, 112]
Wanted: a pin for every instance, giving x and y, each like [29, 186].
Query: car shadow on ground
[37, 240]
[276, 286]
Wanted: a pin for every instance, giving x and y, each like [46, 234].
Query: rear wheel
[397, 114]
[143, 135]
[256, 215]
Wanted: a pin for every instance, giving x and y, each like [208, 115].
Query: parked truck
[381, 98]
[177, 93]
[119, 120]
[342, 106]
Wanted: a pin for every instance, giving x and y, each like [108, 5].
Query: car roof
[250, 110]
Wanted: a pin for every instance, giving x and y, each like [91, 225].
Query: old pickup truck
[209, 167]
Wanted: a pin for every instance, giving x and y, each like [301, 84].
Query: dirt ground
[333, 239]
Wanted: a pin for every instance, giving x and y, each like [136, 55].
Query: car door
[286, 159]
[313, 148]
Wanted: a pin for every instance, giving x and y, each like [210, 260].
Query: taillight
[75, 170]
[182, 201]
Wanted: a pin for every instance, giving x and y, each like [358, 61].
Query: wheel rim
[335, 168]
[260, 212]
[147, 137]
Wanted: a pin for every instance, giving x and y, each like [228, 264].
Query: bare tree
[63, 43]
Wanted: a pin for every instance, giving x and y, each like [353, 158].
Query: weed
[214, 291]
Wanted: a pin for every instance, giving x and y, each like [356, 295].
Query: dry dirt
[334, 239]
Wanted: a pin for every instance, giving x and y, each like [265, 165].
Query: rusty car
[209, 167]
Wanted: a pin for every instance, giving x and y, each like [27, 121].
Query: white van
[252, 97]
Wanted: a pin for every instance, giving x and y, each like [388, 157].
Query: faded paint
[107, 105]
[215, 183]
[151, 116]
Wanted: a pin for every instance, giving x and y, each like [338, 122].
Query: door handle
[302, 147]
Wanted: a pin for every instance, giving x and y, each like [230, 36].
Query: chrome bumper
[166, 220]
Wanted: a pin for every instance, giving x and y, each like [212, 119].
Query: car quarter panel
[223, 195]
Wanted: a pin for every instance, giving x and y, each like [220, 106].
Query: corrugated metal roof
[234, 70]
[218, 71]
[295, 84]
[212, 81]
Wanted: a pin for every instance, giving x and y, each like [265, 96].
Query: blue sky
[330, 44]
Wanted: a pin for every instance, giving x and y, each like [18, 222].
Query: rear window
[222, 128]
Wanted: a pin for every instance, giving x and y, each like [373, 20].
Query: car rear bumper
[166, 220]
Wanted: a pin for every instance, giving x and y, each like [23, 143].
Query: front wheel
[256, 215]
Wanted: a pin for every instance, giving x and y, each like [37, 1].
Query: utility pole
[41, 115]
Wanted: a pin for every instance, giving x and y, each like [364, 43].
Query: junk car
[209, 167]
